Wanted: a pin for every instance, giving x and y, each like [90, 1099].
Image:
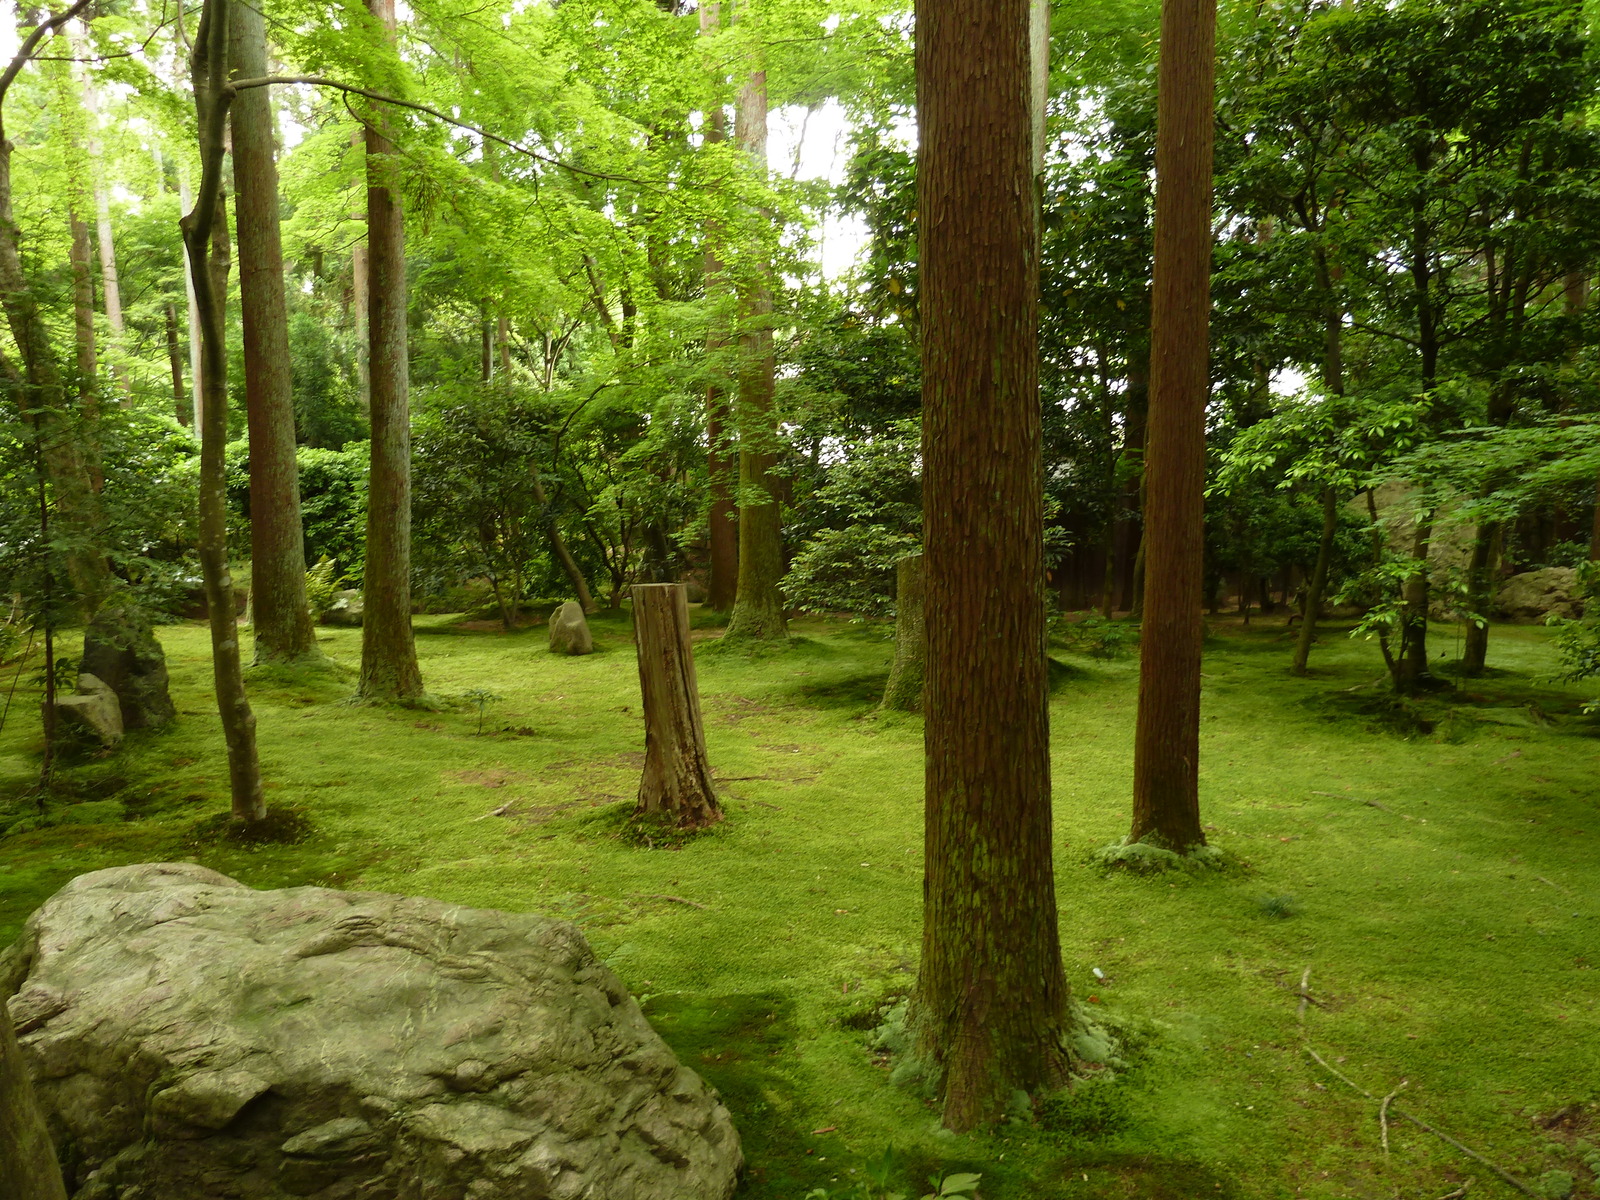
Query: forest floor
[1434, 867]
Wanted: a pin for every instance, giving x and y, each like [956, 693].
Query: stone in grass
[191, 1038]
[93, 709]
[121, 651]
[346, 610]
[569, 632]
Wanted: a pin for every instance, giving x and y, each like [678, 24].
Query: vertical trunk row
[282, 616]
[110, 283]
[991, 1008]
[1166, 801]
[389, 670]
[723, 531]
[205, 234]
[758, 605]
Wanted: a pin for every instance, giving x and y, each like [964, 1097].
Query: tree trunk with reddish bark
[991, 1008]
[389, 670]
[284, 631]
[1166, 800]
[676, 783]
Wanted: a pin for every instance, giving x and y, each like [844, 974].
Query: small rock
[345, 610]
[569, 632]
[94, 708]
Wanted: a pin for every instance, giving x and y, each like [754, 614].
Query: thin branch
[240, 85]
[30, 43]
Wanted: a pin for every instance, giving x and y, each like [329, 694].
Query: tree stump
[677, 778]
[904, 689]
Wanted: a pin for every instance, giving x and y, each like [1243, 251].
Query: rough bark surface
[903, 692]
[284, 631]
[758, 605]
[722, 526]
[677, 777]
[1166, 798]
[205, 235]
[28, 1167]
[991, 1009]
[389, 670]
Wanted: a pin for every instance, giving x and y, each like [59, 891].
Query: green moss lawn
[1437, 869]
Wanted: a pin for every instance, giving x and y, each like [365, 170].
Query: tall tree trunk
[991, 1009]
[758, 606]
[83, 309]
[723, 529]
[284, 631]
[502, 343]
[180, 396]
[389, 670]
[28, 1166]
[1412, 653]
[485, 342]
[1333, 384]
[1130, 536]
[904, 689]
[1166, 764]
[676, 782]
[360, 295]
[205, 234]
[110, 282]
[185, 200]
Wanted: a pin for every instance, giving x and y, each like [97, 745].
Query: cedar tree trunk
[758, 604]
[991, 1008]
[180, 397]
[1166, 800]
[284, 631]
[205, 235]
[904, 689]
[389, 670]
[677, 778]
[723, 530]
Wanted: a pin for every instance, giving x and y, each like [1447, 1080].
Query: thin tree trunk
[723, 529]
[180, 396]
[28, 1166]
[1480, 591]
[284, 630]
[502, 342]
[485, 342]
[1166, 800]
[389, 670]
[1412, 657]
[83, 308]
[991, 1010]
[677, 775]
[110, 283]
[758, 605]
[185, 200]
[904, 689]
[205, 234]
[558, 547]
[1319, 581]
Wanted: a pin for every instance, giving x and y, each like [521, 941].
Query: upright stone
[677, 776]
[569, 632]
[120, 650]
[93, 709]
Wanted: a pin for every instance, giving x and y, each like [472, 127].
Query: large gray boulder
[569, 632]
[1534, 595]
[93, 710]
[121, 651]
[191, 1038]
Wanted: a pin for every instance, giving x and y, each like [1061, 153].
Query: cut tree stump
[677, 778]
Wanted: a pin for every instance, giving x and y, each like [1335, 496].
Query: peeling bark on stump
[677, 778]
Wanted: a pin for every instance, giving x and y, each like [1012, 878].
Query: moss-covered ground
[1436, 868]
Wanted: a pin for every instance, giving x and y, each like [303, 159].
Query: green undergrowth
[1426, 868]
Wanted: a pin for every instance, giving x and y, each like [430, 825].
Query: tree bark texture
[180, 395]
[389, 670]
[677, 777]
[205, 235]
[1166, 800]
[758, 605]
[284, 631]
[28, 1166]
[991, 1008]
[903, 692]
[721, 467]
